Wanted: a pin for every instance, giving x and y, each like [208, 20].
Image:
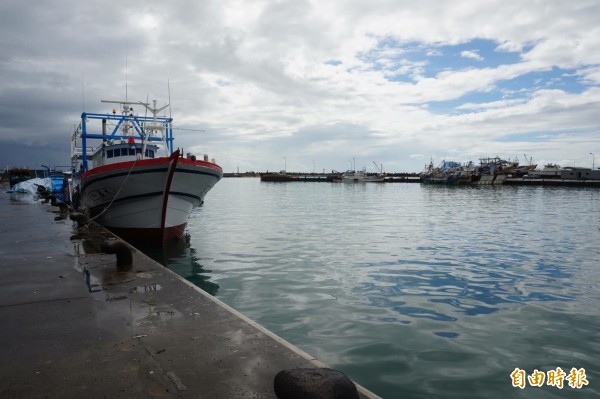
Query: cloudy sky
[311, 84]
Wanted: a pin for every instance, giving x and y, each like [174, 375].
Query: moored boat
[497, 166]
[448, 173]
[128, 186]
[524, 170]
[361, 176]
[550, 171]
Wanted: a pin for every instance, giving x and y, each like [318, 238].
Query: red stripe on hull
[211, 165]
[125, 166]
[149, 162]
[173, 165]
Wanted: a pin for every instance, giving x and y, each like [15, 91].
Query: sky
[311, 85]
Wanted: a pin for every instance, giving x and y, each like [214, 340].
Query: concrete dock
[73, 326]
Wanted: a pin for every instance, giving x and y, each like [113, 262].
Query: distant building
[574, 173]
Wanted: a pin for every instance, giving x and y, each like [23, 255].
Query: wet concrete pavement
[75, 327]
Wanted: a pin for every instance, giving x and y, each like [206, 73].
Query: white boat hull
[148, 200]
[362, 179]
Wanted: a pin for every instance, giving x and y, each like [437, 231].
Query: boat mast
[155, 126]
[149, 127]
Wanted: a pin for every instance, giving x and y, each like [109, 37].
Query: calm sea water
[413, 291]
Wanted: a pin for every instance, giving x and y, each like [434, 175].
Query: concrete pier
[76, 326]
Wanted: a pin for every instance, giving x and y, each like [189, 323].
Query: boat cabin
[114, 153]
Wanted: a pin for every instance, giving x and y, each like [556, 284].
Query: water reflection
[180, 257]
[443, 291]
[91, 282]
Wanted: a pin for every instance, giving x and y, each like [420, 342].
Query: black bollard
[123, 252]
[78, 217]
[63, 206]
[314, 383]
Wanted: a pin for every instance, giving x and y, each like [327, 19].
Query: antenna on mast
[126, 54]
[169, 90]
[82, 94]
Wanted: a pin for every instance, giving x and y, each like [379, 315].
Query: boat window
[138, 150]
[132, 151]
[149, 153]
[124, 152]
[109, 154]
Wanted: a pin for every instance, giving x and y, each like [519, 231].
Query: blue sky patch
[408, 62]
[430, 60]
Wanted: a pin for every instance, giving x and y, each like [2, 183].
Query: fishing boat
[439, 178]
[132, 181]
[448, 173]
[524, 170]
[361, 176]
[550, 171]
[497, 166]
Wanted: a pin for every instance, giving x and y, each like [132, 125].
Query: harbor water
[413, 291]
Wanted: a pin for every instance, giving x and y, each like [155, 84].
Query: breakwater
[415, 178]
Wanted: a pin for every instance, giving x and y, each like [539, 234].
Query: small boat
[448, 173]
[550, 171]
[124, 182]
[361, 176]
[497, 166]
[525, 170]
[57, 178]
[335, 176]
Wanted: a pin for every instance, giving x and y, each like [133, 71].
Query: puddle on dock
[146, 288]
[130, 293]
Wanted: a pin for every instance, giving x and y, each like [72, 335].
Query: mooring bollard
[314, 383]
[123, 252]
[78, 217]
[63, 206]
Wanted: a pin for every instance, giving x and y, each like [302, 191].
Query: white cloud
[472, 54]
[257, 76]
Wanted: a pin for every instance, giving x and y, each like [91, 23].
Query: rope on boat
[118, 191]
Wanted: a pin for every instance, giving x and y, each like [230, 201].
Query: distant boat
[126, 185]
[523, 170]
[361, 176]
[448, 173]
[335, 176]
[441, 178]
[57, 177]
[497, 166]
[550, 171]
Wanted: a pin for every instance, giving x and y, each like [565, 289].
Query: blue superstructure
[126, 125]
